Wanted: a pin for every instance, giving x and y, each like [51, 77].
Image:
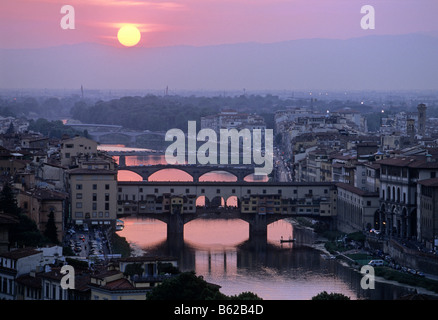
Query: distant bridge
[195, 171]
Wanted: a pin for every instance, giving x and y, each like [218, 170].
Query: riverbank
[335, 245]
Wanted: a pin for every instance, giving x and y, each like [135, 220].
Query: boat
[287, 240]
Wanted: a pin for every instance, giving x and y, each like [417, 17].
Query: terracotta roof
[30, 281]
[420, 162]
[46, 194]
[357, 191]
[105, 273]
[19, 253]
[429, 182]
[120, 284]
[91, 171]
[54, 274]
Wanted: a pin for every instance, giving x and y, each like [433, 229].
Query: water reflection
[222, 252]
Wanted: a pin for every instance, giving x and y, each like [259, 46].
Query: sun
[129, 35]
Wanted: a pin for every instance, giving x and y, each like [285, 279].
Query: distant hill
[369, 63]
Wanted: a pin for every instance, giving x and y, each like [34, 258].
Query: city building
[398, 192]
[93, 193]
[77, 147]
[39, 203]
[357, 209]
[428, 213]
[7, 221]
[14, 264]
[129, 278]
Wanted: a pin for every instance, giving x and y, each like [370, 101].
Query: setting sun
[129, 35]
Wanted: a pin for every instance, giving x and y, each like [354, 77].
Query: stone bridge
[195, 171]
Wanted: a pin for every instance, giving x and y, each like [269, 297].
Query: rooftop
[19, 253]
[429, 182]
[355, 190]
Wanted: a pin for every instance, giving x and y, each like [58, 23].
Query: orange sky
[36, 23]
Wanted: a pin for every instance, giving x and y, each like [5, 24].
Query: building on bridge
[311, 199]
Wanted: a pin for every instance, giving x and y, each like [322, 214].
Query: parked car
[376, 263]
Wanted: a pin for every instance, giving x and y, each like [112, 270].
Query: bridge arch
[218, 175]
[232, 201]
[173, 174]
[255, 178]
[128, 175]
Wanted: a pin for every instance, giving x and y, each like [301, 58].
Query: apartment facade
[428, 213]
[76, 147]
[93, 192]
[357, 209]
[399, 196]
[14, 264]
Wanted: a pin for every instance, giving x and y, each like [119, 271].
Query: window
[94, 206]
[433, 174]
[78, 195]
[94, 196]
[107, 187]
[141, 189]
[156, 190]
[79, 214]
[218, 190]
[120, 189]
[107, 206]
[67, 155]
[248, 191]
[79, 187]
[202, 190]
[94, 186]
[172, 190]
[78, 205]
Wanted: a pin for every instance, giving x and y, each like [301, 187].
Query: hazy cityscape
[152, 165]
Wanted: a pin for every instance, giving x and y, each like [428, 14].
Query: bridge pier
[258, 225]
[175, 225]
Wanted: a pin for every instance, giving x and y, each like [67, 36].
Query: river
[223, 253]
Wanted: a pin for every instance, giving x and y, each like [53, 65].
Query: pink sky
[36, 23]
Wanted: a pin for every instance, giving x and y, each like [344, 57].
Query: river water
[223, 253]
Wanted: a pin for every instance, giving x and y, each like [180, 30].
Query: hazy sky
[36, 23]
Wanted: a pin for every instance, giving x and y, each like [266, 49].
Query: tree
[8, 203]
[51, 231]
[133, 269]
[26, 233]
[330, 296]
[11, 129]
[185, 286]
[188, 286]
